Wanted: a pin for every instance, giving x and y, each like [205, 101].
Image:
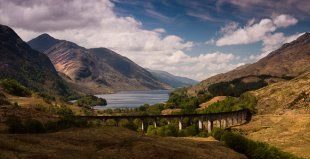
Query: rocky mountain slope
[97, 70]
[29, 67]
[290, 60]
[172, 80]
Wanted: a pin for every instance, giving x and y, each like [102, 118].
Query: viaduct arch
[205, 121]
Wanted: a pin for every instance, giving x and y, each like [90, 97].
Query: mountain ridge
[172, 80]
[31, 68]
[287, 62]
[96, 70]
[43, 42]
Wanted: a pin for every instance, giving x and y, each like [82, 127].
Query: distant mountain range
[287, 62]
[172, 80]
[100, 70]
[29, 67]
[96, 70]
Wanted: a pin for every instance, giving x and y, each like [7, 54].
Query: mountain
[172, 80]
[287, 62]
[29, 67]
[43, 42]
[96, 70]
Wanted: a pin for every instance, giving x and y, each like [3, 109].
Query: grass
[285, 96]
[252, 149]
[288, 132]
[15, 88]
[109, 142]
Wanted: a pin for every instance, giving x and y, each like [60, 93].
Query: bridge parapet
[205, 121]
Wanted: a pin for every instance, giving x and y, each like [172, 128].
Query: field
[288, 132]
[110, 142]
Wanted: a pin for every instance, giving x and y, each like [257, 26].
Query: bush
[217, 133]
[151, 130]
[15, 88]
[129, 124]
[191, 130]
[252, 149]
[90, 101]
[171, 130]
[68, 122]
[65, 112]
[51, 126]
[203, 134]
[236, 87]
[96, 122]
[46, 97]
[15, 125]
[147, 109]
[226, 105]
[235, 141]
[3, 100]
[167, 130]
[245, 101]
[180, 99]
[33, 126]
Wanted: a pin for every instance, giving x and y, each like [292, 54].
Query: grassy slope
[32, 107]
[279, 124]
[106, 143]
[277, 98]
[290, 133]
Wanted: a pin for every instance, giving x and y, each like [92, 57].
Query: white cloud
[158, 15]
[248, 34]
[160, 30]
[203, 16]
[39, 15]
[284, 20]
[198, 67]
[210, 42]
[263, 31]
[253, 32]
[261, 8]
[95, 24]
[229, 28]
[274, 41]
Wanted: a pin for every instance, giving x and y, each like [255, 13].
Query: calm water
[134, 98]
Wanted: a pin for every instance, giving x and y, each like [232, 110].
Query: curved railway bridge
[205, 121]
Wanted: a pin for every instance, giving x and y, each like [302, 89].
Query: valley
[154, 79]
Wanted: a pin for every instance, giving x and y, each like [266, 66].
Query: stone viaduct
[205, 121]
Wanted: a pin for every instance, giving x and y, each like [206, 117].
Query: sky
[195, 39]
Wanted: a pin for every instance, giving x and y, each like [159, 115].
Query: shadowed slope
[105, 143]
[29, 67]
